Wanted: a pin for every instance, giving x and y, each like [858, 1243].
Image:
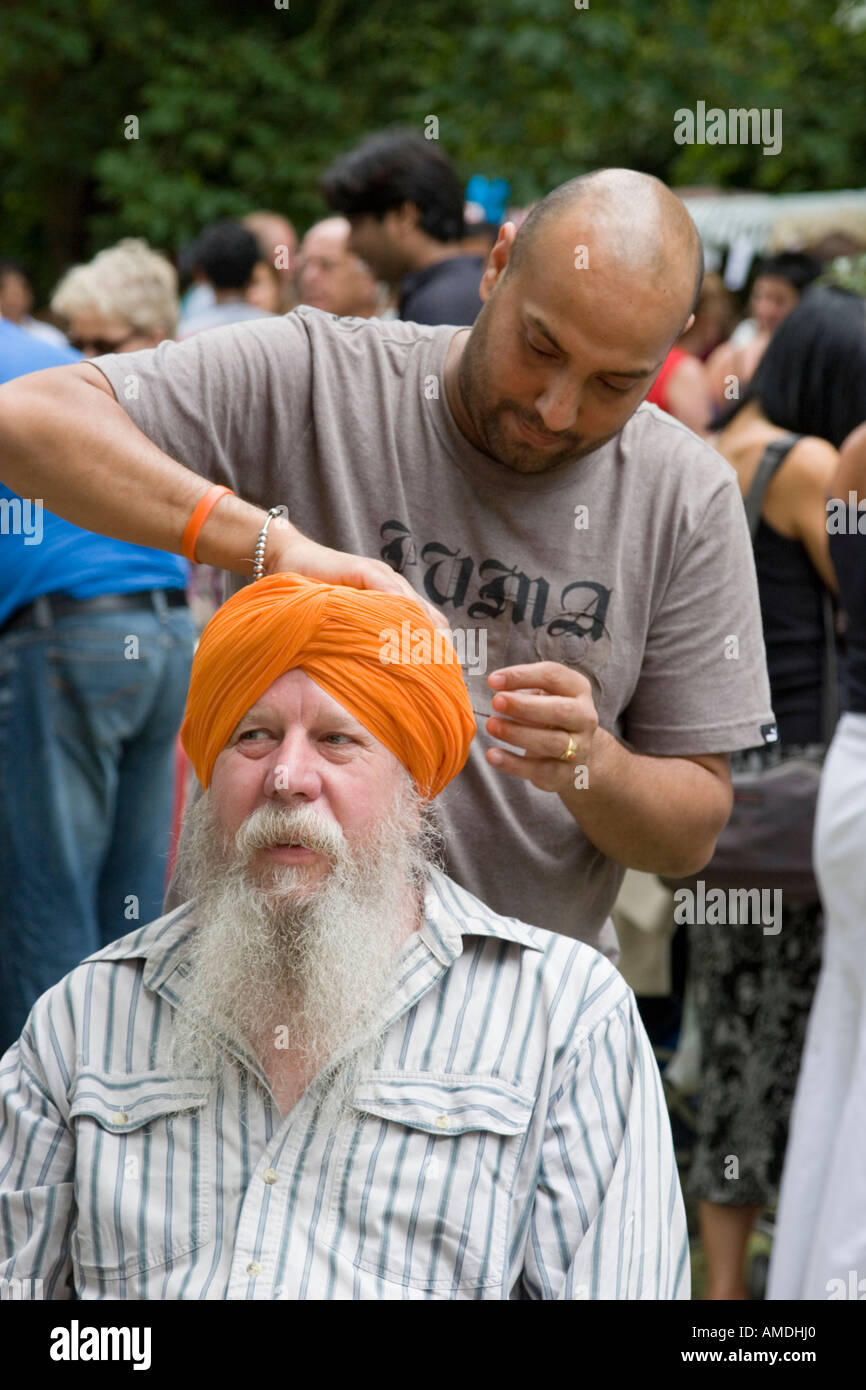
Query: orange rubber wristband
[201, 512]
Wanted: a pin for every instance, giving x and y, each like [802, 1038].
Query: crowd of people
[251, 457]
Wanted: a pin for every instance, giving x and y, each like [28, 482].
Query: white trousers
[821, 1220]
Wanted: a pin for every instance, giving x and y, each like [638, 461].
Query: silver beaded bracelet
[261, 543]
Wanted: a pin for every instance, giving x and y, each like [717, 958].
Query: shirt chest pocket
[426, 1180]
[143, 1179]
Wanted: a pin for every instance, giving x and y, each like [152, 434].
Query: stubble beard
[284, 970]
[490, 422]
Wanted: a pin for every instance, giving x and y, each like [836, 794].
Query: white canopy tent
[776, 221]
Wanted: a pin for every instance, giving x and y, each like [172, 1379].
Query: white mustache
[275, 825]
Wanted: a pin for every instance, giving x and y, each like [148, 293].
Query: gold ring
[569, 754]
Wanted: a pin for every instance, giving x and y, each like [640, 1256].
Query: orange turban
[408, 691]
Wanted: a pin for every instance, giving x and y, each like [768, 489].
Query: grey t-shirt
[632, 564]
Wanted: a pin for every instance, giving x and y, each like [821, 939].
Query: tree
[240, 108]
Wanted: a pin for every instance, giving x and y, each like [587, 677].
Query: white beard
[277, 963]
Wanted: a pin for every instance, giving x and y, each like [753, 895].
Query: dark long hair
[812, 377]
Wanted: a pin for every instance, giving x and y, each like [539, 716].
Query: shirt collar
[450, 913]
[163, 944]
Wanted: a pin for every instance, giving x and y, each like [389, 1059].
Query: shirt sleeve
[703, 685]
[221, 401]
[608, 1219]
[37, 1204]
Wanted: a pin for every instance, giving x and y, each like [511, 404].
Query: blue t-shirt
[40, 553]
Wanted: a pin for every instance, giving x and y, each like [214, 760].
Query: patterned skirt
[753, 993]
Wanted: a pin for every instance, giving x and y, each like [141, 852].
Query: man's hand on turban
[548, 710]
[288, 551]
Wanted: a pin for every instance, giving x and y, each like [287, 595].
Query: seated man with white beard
[333, 1073]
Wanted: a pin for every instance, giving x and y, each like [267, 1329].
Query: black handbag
[767, 842]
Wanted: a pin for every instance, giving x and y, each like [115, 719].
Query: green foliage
[244, 107]
[846, 273]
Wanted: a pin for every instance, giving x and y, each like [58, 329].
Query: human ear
[498, 258]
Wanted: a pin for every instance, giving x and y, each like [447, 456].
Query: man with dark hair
[594, 550]
[404, 202]
[224, 257]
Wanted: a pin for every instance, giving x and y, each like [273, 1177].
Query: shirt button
[269, 1175]
[278, 1291]
[119, 1117]
[254, 1268]
[442, 1122]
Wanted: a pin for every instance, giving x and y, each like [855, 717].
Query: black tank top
[848, 554]
[790, 591]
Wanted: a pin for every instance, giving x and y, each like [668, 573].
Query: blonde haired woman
[122, 300]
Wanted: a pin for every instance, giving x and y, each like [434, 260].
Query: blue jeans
[90, 707]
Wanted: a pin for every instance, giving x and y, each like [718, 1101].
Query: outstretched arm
[65, 440]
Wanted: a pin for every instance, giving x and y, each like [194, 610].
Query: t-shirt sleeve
[703, 685]
[220, 401]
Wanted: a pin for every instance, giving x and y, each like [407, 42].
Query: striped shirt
[511, 1142]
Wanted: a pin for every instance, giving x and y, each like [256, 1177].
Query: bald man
[333, 1074]
[591, 547]
[333, 278]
